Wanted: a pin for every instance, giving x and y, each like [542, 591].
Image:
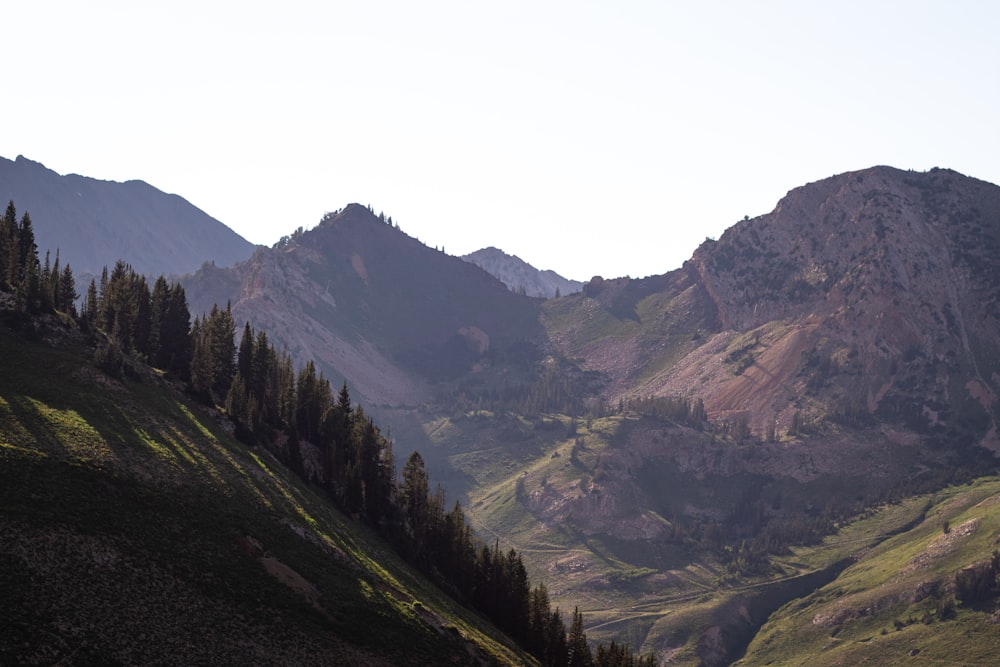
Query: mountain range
[678, 455]
[95, 223]
[844, 347]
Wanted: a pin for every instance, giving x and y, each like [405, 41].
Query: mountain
[94, 223]
[374, 306]
[844, 349]
[134, 529]
[676, 455]
[520, 276]
[866, 296]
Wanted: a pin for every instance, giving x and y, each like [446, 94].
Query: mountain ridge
[99, 222]
[674, 436]
[371, 305]
[520, 276]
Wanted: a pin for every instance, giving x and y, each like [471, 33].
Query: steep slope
[95, 223]
[520, 276]
[864, 296]
[135, 530]
[921, 594]
[372, 305]
[657, 445]
[845, 348]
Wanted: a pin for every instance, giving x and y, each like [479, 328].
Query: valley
[784, 448]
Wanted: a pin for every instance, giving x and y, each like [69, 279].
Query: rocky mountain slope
[95, 223]
[866, 296]
[520, 276]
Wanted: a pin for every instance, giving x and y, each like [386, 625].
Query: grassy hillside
[135, 530]
[561, 496]
[901, 598]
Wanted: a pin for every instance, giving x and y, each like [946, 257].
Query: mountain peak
[26, 162]
[519, 276]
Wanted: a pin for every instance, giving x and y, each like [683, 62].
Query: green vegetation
[926, 591]
[190, 540]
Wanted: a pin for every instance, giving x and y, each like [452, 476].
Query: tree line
[36, 287]
[321, 436]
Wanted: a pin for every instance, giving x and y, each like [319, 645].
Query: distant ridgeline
[295, 414]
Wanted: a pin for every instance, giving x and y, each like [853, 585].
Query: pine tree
[539, 615]
[158, 307]
[102, 291]
[263, 383]
[556, 648]
[244, 359]
[202, 372]
[578, 651]
[90, 307]
[219, 332]
[46, 290]
[175, 338]
[8, 243]
[413, 494]
[29, 287]
[309, 404]
[27, 250]
[67, 295]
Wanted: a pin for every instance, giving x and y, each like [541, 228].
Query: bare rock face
[875, 291]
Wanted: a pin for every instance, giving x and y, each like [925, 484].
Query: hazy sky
[586, 137]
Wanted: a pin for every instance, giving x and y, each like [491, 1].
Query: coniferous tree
[8, 246]
[515, 596]
[175, 339]
[90, 312]
[556, 647]
[244, 359]
[23, 253]
[66, 294]
[263, 383]
[213, 359]
[102, 290]
[118, 309]
[286, 391]
[413, 494]
[202, 371]
[158, 307]
[28, 290]
[45, 285]
[240, 409]
[578, 651]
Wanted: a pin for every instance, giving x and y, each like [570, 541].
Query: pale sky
[591, 138]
